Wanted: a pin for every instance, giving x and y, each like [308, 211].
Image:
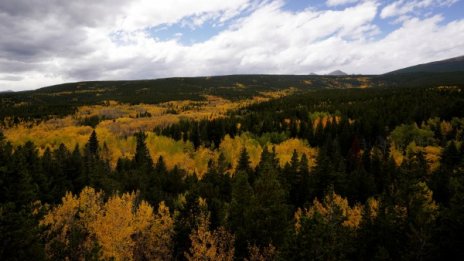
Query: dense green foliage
[411, 210]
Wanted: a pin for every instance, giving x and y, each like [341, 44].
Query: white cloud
[340, 2]
[49, 47]
[148, 13]
[403, 7]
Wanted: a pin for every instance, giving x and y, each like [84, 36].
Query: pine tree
[300, 189]
[266, 158]
[239, 217]
[421, 215]
[74, 169]
[221, 164]
[448, 238]
[244, 164]
[160, 167]
[450, 156]
[269, 209]
[92, 145]
[142, 156]
[19, 231]
[31, 163]
[59, 181]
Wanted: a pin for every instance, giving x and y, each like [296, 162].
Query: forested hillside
[62, 100]
[235, 168]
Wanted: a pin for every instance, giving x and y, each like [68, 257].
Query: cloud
[148, 13]
[58, 41]
[340, 2]
[403, 7]
[11, 78]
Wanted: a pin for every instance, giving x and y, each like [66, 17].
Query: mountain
[6, 91]
[449, 65]
[337, 73]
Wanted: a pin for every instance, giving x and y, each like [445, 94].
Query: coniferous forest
[307, 174]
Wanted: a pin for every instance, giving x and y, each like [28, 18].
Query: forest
[243, 172]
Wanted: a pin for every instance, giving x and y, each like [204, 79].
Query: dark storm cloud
[35, 39]
[83, 12]
[36, 30]
[10, 66]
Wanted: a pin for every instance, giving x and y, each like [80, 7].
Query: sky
[46, 42]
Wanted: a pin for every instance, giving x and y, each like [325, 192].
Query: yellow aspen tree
[256, 253]
[332, 206]
[67, 231]
[210, 245]
[85, 227]
[155, 239]
[115, 226]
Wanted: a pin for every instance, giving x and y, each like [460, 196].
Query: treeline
[369, 115]
[62, 100]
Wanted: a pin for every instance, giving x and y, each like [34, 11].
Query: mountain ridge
[455, 64]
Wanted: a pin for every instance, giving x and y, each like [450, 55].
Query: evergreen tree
[323, 232]
[222, 165]
[59, 182]
[421, 215]
[239, 218]
[92, 145]
[448, 240]
[300, 190]
[244, 164]
[19, 231]
[74, 169]
[160, 166]
[142, 157]
[269, 210]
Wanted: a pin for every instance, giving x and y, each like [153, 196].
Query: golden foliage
[50, 134]
[121, 121]
[285, 150]
[397, 155]
[73, 214]
[174, 152]
[231, 148]
[115, 226]
[268, 253]
[332, 207]
[372, 207]
[155, 240]
[433, 156]
[210, 245]
[122, 229]
[323, 118]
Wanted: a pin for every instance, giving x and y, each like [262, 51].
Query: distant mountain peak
[6, 91]
[337, 73]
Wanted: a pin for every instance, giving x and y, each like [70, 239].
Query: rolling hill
[63, 99]
[449, 65]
